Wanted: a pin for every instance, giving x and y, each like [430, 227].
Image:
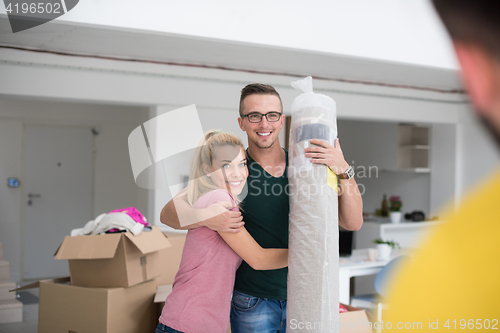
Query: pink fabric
[201, 296]
[133, 213]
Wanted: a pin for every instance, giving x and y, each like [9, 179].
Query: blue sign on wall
[13, 182]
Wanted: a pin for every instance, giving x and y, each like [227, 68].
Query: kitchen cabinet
[413, 148]
[407, 234]
[415, 161]
[392, 147]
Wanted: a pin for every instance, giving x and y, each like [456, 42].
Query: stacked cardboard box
[67, 308]
[113, 282]
[170, 258]
[11, 310]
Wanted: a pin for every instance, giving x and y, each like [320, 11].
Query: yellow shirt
[454, 281]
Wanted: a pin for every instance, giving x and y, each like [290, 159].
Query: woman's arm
[249, 250]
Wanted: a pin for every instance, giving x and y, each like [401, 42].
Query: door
[58, 188]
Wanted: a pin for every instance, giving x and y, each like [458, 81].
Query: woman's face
[230, 165]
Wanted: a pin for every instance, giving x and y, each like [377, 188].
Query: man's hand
[179, 214]
[328, 155]
[350, 201]
[222, 219]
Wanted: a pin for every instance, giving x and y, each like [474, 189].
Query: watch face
[348, 174]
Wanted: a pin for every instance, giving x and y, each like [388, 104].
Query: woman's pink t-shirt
[201, 296]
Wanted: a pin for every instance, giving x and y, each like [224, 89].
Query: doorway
[58, 164]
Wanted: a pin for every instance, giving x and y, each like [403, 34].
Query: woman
[201, 297]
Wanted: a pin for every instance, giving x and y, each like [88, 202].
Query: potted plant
[384, 248]
[395, 208]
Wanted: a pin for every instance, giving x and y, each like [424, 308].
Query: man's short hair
[258, 89]
[475, 21]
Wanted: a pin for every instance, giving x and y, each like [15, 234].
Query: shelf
[408, 170]
[414, 147]
[413, 135]
[385, 222]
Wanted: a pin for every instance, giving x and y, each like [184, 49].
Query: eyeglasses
[256, 117]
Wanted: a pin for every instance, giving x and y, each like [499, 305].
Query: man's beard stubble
[264, 147]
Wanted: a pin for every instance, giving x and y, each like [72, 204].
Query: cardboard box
[161, 295]
[11, 311]
[113, 260]
[5, 286]
[170, 258]
[4, 269]
[65, 308]
[354, 321]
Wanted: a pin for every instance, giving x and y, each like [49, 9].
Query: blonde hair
[199, 183]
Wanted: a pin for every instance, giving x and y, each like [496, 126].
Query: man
[259, 300]
[453, 282]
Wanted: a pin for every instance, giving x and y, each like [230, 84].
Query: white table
[358, 265]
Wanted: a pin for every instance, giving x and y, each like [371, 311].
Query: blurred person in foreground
[454, 281]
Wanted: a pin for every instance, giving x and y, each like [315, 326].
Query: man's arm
[350, 201]
[179, 214]
[350, 205]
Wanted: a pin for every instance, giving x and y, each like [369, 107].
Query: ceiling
[147, 45]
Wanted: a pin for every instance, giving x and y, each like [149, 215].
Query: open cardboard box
[113, 260]
[65, 308]
[354, 321]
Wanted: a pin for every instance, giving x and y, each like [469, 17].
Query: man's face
[265, 133]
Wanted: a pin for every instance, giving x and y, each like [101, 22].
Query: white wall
[478, 157]
[114, 186]
[444, 167]
[111, 82]
[390, 30]
[372, 148]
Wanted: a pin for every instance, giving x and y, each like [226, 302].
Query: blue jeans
[163, 328]
[253, 314]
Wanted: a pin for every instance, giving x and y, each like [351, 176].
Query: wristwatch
[348, 174]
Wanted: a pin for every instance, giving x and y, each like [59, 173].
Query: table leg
[344, 285]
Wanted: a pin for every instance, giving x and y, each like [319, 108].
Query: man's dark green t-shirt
[265, 212]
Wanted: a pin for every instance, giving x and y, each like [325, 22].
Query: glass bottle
[385, 210]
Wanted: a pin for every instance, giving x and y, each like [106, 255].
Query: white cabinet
[415, 161]
[392, 147]
[407, 234]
